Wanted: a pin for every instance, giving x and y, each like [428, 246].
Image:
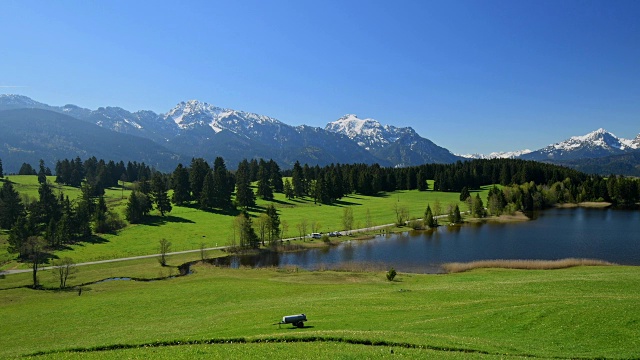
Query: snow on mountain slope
[368, 133]
[497, 155]
[193, 113]
[595, 144]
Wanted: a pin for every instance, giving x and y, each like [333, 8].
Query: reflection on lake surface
[606, 234]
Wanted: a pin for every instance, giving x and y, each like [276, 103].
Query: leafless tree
[347, 219]
[164, 249]
[262, 223]
[203, 253]
[367, 217]
[34, 249]
[63, 270]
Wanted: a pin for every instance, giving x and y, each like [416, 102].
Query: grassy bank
[578, 312]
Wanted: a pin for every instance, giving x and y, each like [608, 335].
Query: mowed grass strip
[583, 312]
[319, 350]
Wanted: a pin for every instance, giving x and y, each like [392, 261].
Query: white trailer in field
[295, 320]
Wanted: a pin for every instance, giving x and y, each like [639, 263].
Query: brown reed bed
[457, 267]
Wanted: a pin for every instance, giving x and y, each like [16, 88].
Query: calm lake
[605, 234]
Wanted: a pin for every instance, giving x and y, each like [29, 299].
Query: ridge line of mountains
[30, 130]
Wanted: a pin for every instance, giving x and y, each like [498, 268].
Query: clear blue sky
[472, 76]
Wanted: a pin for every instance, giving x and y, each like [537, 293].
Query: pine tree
[197, 172]
[221, 185]
[478, 207]
[421, 180]
[159, 194]
[138, 207]
[288, 189]
[457, 218]
[48, 206]
[273, 224]
[1, 171]
[428, 218]
[464, 194]
[264, 186]
[297, 180]
[248, 236]
[207, 195]
[275, 177]
[244, 194]
[11, 207]
[18, 235]
[180, 185]
[42, 176]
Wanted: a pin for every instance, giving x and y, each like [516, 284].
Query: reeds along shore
[457, 267]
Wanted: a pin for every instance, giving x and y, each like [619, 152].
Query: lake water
[605, 234]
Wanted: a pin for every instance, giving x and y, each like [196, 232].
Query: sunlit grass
[578, 312]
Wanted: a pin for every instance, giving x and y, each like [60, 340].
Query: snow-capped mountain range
[497, 155]
[599, 143]
[198, 129]
[368, 133]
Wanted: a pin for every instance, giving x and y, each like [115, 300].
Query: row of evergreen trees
[56, 219]
[100, 173]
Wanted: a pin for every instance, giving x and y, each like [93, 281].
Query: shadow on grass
[231, 211]
[345, 203]
[281, 202]
[93, 239]
[162, 220]
[297, 328]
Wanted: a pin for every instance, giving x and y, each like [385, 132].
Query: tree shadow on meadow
[162, 220]
[342, 203]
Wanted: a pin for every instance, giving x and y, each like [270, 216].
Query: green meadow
[188, 228]
[581, 312]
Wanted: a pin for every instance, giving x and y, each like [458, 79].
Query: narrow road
[18, 271]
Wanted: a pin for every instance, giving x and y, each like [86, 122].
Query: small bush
[391, 274]
[415, 224]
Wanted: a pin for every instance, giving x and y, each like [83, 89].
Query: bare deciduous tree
[347, 219]
[63, 270]
[262, 223]
[165, 245]
[203, 253]
[34, 249]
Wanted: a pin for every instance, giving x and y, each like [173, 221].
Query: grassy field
[187, 228]
[582, 312]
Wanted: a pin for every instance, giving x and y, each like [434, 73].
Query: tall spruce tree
[429, 220]
[197, 172]
[11, 207]
[275, 176]
[273, 226]
[180, 185]
[264, 187]
[159, 194]
[1, 171]
[207, 195]
[244, 194]
[288, 189]
[297, 180]
[221, 186]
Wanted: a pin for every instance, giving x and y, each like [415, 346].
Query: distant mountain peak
[598, 143]
[497, 155]
[194, 113]
[368, 133]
